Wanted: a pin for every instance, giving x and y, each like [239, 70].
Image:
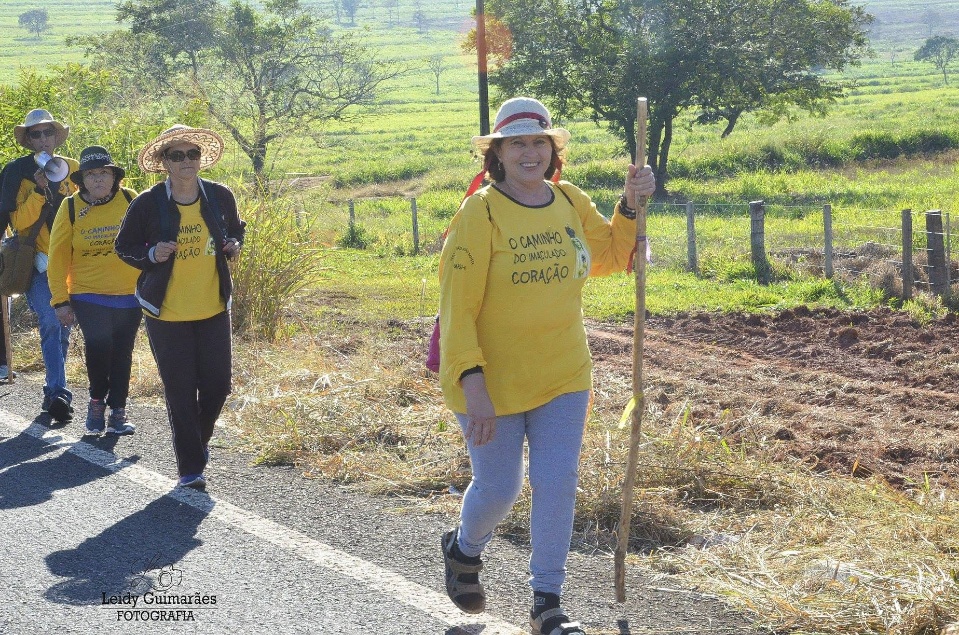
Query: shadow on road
[138, 554]
[26, 478]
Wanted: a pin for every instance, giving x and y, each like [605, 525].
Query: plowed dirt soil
[861, 393]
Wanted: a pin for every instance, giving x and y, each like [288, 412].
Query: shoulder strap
[72, 206]
[35, 228]
[162, 202]
[208, 193]
[489, 214]
[563, 192]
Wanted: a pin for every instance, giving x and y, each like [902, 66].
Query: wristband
[471, 371]
[625, 210]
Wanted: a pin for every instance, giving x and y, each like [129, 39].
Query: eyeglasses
[46, 132]
[179, 155]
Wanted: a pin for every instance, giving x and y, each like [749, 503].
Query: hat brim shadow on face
[210, 143]
[118, 173]
[20, 134]
[559, 136]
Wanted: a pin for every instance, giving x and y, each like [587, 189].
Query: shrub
[275, 265]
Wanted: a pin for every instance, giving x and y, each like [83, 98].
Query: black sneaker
[60, 409]
[45, 406]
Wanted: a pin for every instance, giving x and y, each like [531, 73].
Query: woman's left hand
[639, 183]
[479, 408]
[65, 315]
[231, 247]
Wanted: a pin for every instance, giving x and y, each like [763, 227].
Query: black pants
[109, 335]
[195, 361]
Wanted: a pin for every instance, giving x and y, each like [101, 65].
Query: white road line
[385, 581]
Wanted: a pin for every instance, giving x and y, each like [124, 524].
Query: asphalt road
[94, 538]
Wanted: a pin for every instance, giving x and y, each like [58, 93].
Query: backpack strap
[563, 192]
[162, 202]
[72, 206]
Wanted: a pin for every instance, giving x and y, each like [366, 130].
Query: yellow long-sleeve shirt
[30, 202]
[511, 281]
[82, 259]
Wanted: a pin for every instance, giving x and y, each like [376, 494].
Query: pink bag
[433, 353]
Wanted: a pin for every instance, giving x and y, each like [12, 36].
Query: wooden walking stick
[639, 326]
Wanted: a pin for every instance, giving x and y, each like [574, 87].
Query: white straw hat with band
[522, 116]
[210, 143]
[35, 118]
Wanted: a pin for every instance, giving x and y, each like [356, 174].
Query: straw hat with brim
[35, 118]
[96, 157]
[210, 143]
[522, 116]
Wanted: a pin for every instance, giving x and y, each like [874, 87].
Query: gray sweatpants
[554, 432]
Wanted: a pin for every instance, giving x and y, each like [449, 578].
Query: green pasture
[888, 145]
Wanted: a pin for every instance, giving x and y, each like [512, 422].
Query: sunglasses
[46, 132]
[179, 155]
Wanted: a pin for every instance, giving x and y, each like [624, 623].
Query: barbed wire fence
[897, 251]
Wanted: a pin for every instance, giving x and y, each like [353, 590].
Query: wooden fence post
[757, 240]
[416, 228]
[907, 281]
[827, 240]
[352, 216]
[936, 249]
[692, 260]
[947, 230]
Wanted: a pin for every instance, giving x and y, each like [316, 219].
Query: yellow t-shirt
[511, 281]
[82, 259]
[30, 204]
[194, 289]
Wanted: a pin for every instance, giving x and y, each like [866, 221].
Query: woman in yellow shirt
[90, 285]
[514, 364]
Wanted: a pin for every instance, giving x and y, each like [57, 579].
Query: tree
[940, 51]
[716, 59]
[932, 19]
[35, 21]
[391, 6]
[436, 66]
[350, 7]
[499, 40]
[420, 18]
[261, 75]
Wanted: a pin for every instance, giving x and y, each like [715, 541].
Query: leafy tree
[940, 51]
[350, 7]
[717, 59]
[260, 74]
[499, 40]
[436, 66]
[35, 21]
[420, 18]
[391, 6]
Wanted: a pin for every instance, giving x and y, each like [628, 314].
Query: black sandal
[462, 579]
[553, 621]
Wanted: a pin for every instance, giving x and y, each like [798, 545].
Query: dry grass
[798, 551]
